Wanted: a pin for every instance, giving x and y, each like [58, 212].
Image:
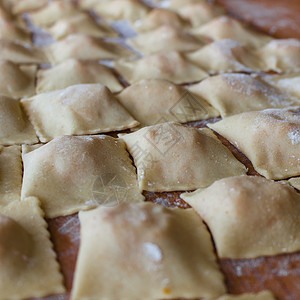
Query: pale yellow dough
[174, 157]
[225, 56]
[74, 71]
[163, 39]
[80, 46]
[22, 6]
[153, 101]
[199, 12]
[76, 173]
[10, 174]
[232, 94]
[18, 53]
[11, 31]
[249, 216]
[269, 138]
[77, 110]
[130, 10]
[15, 128]
[28, 266]
[171, 66]
[288, 82]
[17, 81]
[281, 55]
[264, 295]
[53, 12]
[158, 17]
[80, 23]
[225, 27]
[147, 252]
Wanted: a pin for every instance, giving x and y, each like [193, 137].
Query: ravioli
[129, 10]
[225, 27]
[74, 173]
[171, 66]
[23, 6]
[53, 12]
[156, 101]
[158, 17]
[269, 138]
[28, 266]
[225, 56]
[10, 174]
[15, 128]
[254, 216]
[21, 54]
[10, 31]
[281, 55]
[143, 246]
[165, 38]
[174, 157]
[72, 72]
[76, 110]
[232, 94]
[80, 46]
[81, 24]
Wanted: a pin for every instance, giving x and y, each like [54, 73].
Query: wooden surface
[280, 274]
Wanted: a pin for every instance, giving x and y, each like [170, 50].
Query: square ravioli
[28, 266]
[81, 23]
[160, 101]
[77, 110]
[85, 47]
[10, 174]
[74, 71]
[148, 252]
[172, 66]
[269, 138]
[226, 56]
[163, 39]
[174, 157]
[75, 173]
[225, 27]
[249, 216]
[16, 80]
[15, 127]
[18, 53]
[232, 94]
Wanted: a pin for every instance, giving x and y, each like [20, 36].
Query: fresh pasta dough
[85, 47]
[17, 81]
[287, 82]
[295, 182]
[232, 94]
[28, 266]
[10, 174]
[15, 128]
[53, 12]
[11, 31]
[158, 17]
[76, 110]
[249, 216]
[225, 27]
[171, 66]
[81, 24]
[142, 246]
[74, 71]
[22, 6]
[161, 101]
[199, 12]
[281, 55]
[129, 10]
[165, 38]
[174, 157]
[73, 173]
[21, 54]
[225, 56]
[269, 138]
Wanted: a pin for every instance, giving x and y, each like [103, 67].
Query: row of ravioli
[248, 216]
[235, 47]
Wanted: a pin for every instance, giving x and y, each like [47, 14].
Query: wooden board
[280, 274]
